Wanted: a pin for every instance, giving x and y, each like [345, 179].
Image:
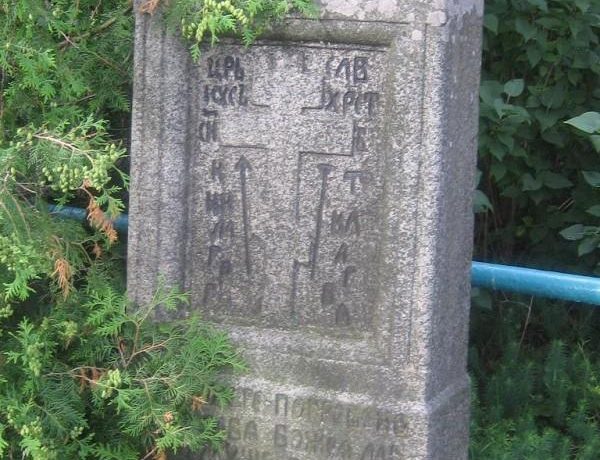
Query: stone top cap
[433, 12]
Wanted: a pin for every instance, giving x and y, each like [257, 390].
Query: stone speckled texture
[313, 193]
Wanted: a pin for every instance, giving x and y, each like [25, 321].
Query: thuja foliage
[60, 81]
[63, 61]
[198, 20]
[61, 78]
[91, 377]
[535, 364]
[84, 374]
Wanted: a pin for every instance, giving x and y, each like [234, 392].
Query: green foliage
[199, 19]
[96, 378]
[587, 236]
[536, 369]
[536, 375]
[588, 122]
[83, 374]
[63, 61]
[541, 67]
[56, 83]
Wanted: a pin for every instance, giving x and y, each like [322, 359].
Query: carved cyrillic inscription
[208, 127]
[298, 250]
[354, 70]
[226, 67]
[225, 95]
[350, 89]
[307, 427]
[349, 101]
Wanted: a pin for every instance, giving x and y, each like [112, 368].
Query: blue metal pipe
[529, 281]
[541, 283]
[69, 212]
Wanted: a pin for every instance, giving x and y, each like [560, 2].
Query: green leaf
[573, 233]
[498, 171]
[547, 119]
[541, 4]
[532, 102]
[587, 245]
[588, 122]
[574, 76]
[555, 137]
[594, 210]
[550, 23]
[592, 178]
[538, 196]
[595, 138]
[227, 23]
[583, 59]
[499, 106]
[307, 8]
[489, 91]
[555, 181]
[529, 183]
[195, 52]
[481, 203]
[525, 28]
[555, 96]
[497, 150]
[507, 139]
[490, 22]
[516, 113]
[534, 55]
[514, 87]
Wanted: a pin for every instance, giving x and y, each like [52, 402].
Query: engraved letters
[352, 70]
[349, 90]
[218, 203]
[345, 225]
[349, 101]
[208, 128]
[226, 88]
[285, 201]
[225, 68]
[225, 95]
[307, 427]
[353, 177]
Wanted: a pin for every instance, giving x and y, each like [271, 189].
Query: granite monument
[313, 194]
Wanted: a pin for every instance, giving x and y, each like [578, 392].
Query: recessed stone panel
[288, 185]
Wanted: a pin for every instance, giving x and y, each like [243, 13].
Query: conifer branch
[101, 28]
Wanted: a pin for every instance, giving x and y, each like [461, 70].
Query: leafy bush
[83, 374]
[56, 81]
[64, 72]
[536, 382]
[94, 378]
[541, 66]
[199, 20]
[536, 368]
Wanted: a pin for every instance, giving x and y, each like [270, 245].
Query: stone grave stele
[313, 194]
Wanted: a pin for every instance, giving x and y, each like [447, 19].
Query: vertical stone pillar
[313, 193]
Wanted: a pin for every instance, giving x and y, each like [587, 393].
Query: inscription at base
[280, 426]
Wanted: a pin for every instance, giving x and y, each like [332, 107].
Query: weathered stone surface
[313, 193]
